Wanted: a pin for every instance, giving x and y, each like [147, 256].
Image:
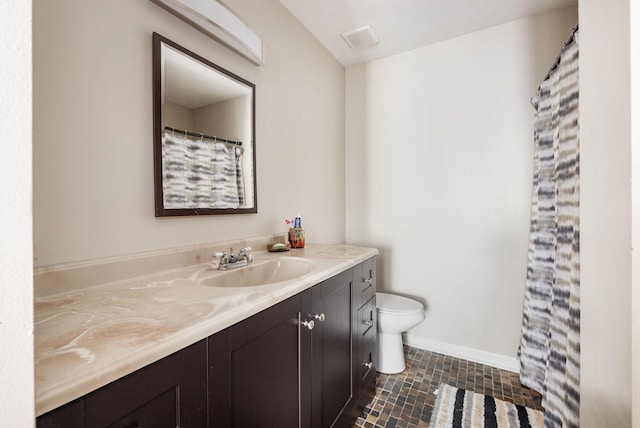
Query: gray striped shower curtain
[549, 351]
[199, 173]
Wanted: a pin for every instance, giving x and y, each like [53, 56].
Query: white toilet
[396, 314]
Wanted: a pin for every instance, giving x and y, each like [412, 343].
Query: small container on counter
[296, 237]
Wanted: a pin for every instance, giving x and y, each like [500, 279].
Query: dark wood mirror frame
[158, 128]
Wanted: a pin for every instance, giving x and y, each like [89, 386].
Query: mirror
[203, 135]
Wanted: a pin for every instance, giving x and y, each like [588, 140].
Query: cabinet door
[331, 349]
[68, 416]
[169, 393]
[254, 368]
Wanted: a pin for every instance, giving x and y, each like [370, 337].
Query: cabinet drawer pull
[369, 280]
[319, 317]
[367, 322]
[308, 324]
[368, 365]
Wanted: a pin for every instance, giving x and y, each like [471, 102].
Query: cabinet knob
[368, 365]
[367, 322]
[319, 317]
[369, 280]
[309, 324]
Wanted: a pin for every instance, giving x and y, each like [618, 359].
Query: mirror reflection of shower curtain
[550, 342]
[200, 173]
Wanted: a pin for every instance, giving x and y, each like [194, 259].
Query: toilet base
[390, 353]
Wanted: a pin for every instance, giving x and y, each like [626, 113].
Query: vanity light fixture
[219, 22]
[362, 37]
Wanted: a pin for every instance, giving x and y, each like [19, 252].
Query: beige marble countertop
[87, 337]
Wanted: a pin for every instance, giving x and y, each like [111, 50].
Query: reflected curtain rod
[195, 134]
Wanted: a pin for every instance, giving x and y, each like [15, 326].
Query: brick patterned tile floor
[406, 399]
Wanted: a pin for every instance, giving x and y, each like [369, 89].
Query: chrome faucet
[230, 261]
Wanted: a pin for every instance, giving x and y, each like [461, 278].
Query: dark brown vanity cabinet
[287, 366]
[304, 362]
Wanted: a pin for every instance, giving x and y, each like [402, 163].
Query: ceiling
[193, 84]
[403, 25]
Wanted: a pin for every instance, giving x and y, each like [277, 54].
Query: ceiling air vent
[361, 37]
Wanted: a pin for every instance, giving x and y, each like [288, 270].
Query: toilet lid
[392, 303]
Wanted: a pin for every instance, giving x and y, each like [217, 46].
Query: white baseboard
[494, 360]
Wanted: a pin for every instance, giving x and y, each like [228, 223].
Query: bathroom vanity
[294, 353]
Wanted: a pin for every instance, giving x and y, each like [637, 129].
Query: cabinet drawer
[365, 281]
[366, 353]
[366, 317]
[367, 331]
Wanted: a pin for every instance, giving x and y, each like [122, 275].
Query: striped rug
[459, 408]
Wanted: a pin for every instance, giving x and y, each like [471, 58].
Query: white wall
[635, 210]
[606, 214]
[177, 116]
[218, 118]
[439, 154]
[93, 159]
[16, 267]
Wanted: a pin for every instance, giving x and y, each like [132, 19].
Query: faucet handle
[244, 253]
[222, 257]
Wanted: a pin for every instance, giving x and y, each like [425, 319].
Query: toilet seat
[394, 304]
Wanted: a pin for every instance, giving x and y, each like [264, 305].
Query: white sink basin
[261, 273]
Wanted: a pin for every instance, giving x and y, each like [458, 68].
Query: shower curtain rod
[196, 134]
